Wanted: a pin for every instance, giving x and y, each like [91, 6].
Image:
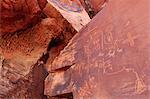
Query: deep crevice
[65, 68]
[40, 70]
[54, 43]
[66, 96]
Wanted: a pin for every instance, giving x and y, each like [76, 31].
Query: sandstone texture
[74, 49]
[26, 44]
[93, 6]
[19, 14]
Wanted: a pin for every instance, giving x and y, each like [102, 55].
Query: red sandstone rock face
[109, 58]
[22, 71]
[98, 4]
[93, 6]
[21, 51]
[18, 14]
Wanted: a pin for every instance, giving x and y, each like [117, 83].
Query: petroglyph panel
[111, 55]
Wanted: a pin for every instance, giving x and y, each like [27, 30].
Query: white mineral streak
[77, 19]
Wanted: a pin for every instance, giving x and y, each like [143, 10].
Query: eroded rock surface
[93, 6]
[23, 54]
[31, 32]
[21, 51]
[19, 14]
[109, 58]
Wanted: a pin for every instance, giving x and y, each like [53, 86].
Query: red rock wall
[24, 51]
[93, 6]
[109, 58]
[18, 14]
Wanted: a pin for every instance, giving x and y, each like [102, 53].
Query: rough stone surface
[97, 5]
[19, 14]
[26, 72]
[21, 51]
[109, 58]
[93, 6]
[67, 33]
[31, 36]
